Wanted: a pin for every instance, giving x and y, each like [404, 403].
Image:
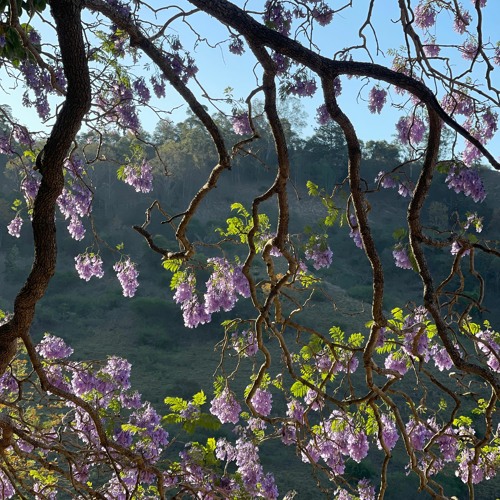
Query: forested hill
[95, 318]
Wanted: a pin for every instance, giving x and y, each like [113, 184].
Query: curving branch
[50, 164]
[325, 68]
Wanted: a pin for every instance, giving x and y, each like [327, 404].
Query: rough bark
[50, 162]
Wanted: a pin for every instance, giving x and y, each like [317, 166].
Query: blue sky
[219, 69]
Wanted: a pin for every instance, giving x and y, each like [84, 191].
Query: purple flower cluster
[30, 185]
[88, 265]
[322, 115]
[245, 343]
[386, 180]
[322, 14]
[390, 434]
[321, 255]
[245, 454]
[462, 21]
[123, 109]
[397, 364]
[431, 49]
[425, 15]
[158, 87]
[225, 407]
[51, 347]
[366, 491]
[411, 129]
[14, 226]
[6, 487]
[241, 124]
[469, 49]
[419, 434]
[337, 437]
[39, 81]
[401, 257]
[303, 88]
[74, 202]
[22, 135]
[225, 284]
[127, 276]
[313, 400]
[458, 103]
[5, 145]
[118, 369]
[236, 45]
[490, 348]
[277, 17]
[262, 401]
[466, 180]
[484, 469]
[456, 246]
[140, 177]
[354, 232]
[281, 62]
[377, 98]
[442, 359]
[142, 90]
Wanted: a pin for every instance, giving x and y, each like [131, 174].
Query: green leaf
[399, 234]
[199, 398]
[462, 421]
[337, 334]
[238, 207]
[207, 421]
[177, 278]
[172, 265]
[472, 238]
[312, 189]
[134, 429]
[356, 339]
[176, 404]
[16, 204]
[120, 173]
[298, 389]
[172, 418]
[211, 444]
[397, 313]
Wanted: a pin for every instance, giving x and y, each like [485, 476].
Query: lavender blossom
[322, 14]
[303, 88]
[411, 129]
[401, 257]
[462, 21]
[241, 124]
[14, 226]
[320, 254]
[425, 15]
[139, 177]
[377, 100]
[396, 364]
[127, 276]
[236, 46]
[442, 359]
[225, 407]
[390, 434]
[89, 265]
[466, 180]
[262, 401]
[52, 347]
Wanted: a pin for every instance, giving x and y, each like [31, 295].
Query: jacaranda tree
[77, 429]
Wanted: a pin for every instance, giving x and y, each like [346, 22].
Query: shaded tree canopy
[420, 380]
